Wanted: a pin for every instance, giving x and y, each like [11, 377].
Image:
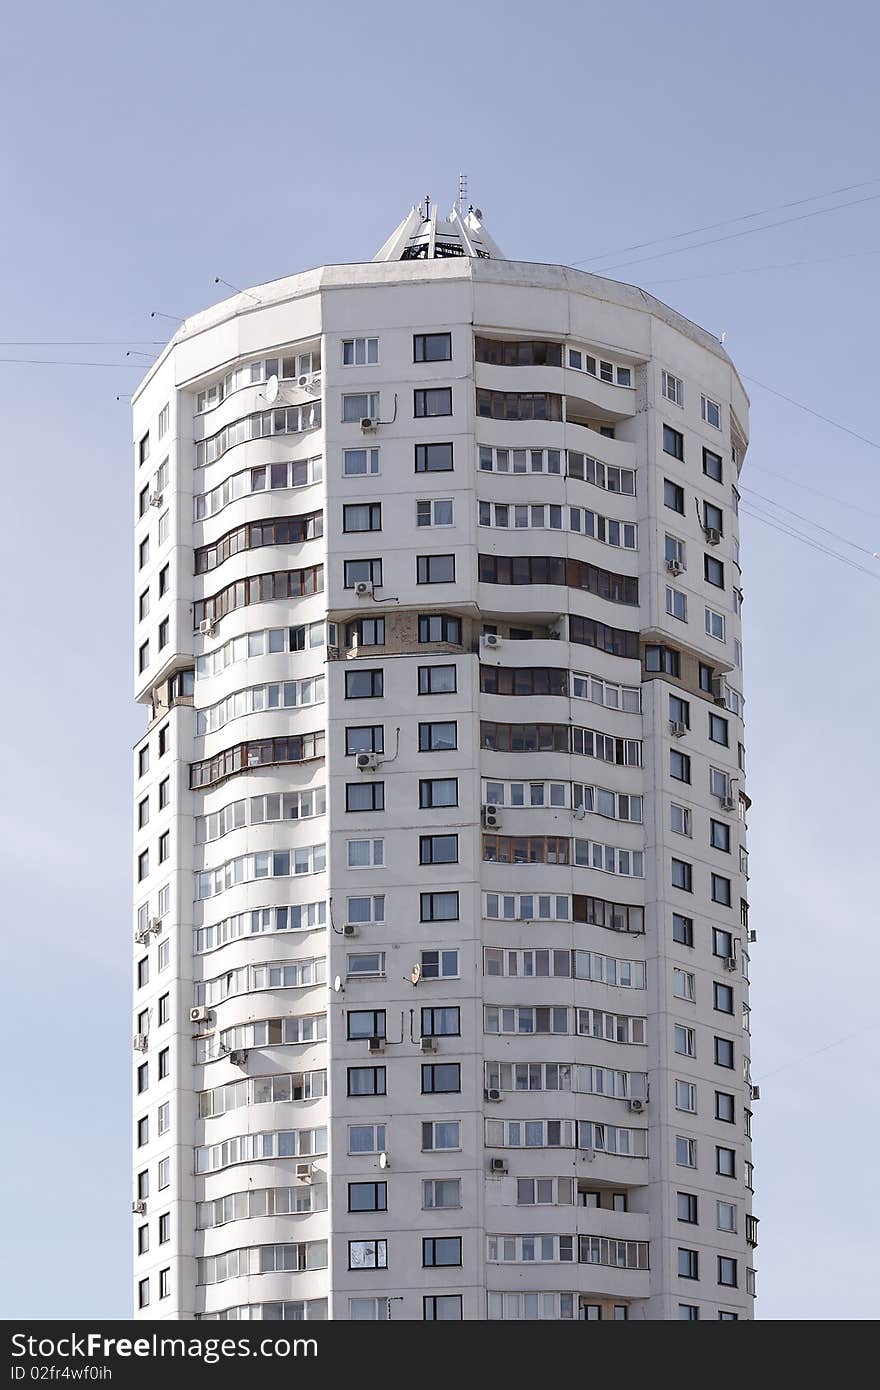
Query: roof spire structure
[422, 235]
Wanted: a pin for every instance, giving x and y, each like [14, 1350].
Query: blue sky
[145, 150]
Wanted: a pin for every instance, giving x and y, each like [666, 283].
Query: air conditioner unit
[492, 1093]
[675, 566]
[154, 925]
[238, 1056]
[728, 803]
[491, 817]
[140, 1042]
[349, 929]
[139, 1208]
[580, 812]
[428, 1044]
[332, 653]
[304, 1171]
[497, 1165]
[719, 688]
[199, 1014]
[636, 1105]
[713, 536]
[366, 762]
[368, 424]
[206, 627]
[363, 588]
[677, 728]
[155, 499]
[141, 934]
[376, 1045]
[731, 963]
[302, 381]
[756, 1093]
[491, 639]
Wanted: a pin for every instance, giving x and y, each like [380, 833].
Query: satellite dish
[337, 984]
[416, 974]
[383, 1160]
[478, 214]
[271, 391]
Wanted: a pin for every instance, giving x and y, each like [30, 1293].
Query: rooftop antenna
[427, 206]
[218, 280]
[462, 192]
[157, 314]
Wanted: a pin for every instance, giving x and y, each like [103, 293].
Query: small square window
[432, 347]
[433, 458]
[432, 401]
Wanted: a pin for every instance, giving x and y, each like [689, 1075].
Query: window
[144, 761]
[686, 1207]
[360, 352]
[725, 1162]
[365, 738]
[164, 1060]
[676, 604]
[685, 1041]
[364, 685]
[164, 528]
[164, 846]
[723, 997]
[439, 1135]
[440, 965]
[672, 388]
[682, 875]
[442, 1307]
[441, 1022]
[685, 1152]
[164, 1008]
[163, 1173]
[143, 552]
[713, 518]
[673, 442]
[143, 1239]
[718, 729]
[438, 907]
[725, 1216]
[432, 347]
[143, 1077]
[362, 516]
[365, 796]
[438, 791]
[164, 1283]
[144, 448]
[680, 711]
[686, 1096]
[434, 512]
[437, 680]
[435, 569]
[143, 656]
[680, 819]
[438, 849]
[724, 1053]
[362, 572]
[439, 627]
[713, 571]
[358, 463]
[163, 740]
[688, 1312]
[366, 1139]
[143, 1131]
[719, 835]
[143, 605]
[368, 1196]
[679, 765]
[683, 986]
[163, 1118]
[143, 1293]
[439, 1077]
[365, 854]
[673, 496]
[662, 659]
[713, 466]
[721, 890]
[440, 1193]
[725, 1107]
[363, 406]
[438, 737]
[711, 412]
[368, 1254]
[164, 792]
[441, 1250]
[688, 1264]
[143, 865]
[682, 929]
[727, 1272]
[365, 1023]
[434, 458]
[432, 400]
[143, 812]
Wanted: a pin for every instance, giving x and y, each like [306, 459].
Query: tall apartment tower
[441, 933]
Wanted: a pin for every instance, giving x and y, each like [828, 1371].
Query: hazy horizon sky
[146, 150]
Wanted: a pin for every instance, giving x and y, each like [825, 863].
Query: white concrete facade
[585, 1148]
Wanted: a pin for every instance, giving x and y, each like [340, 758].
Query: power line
[805, 1057]
[732, 236]
[78, 342]
[728, 221]
[68, 362]
[779, 265]
[800, 405]
[836, 534]
[785, 529]
[829, 497]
